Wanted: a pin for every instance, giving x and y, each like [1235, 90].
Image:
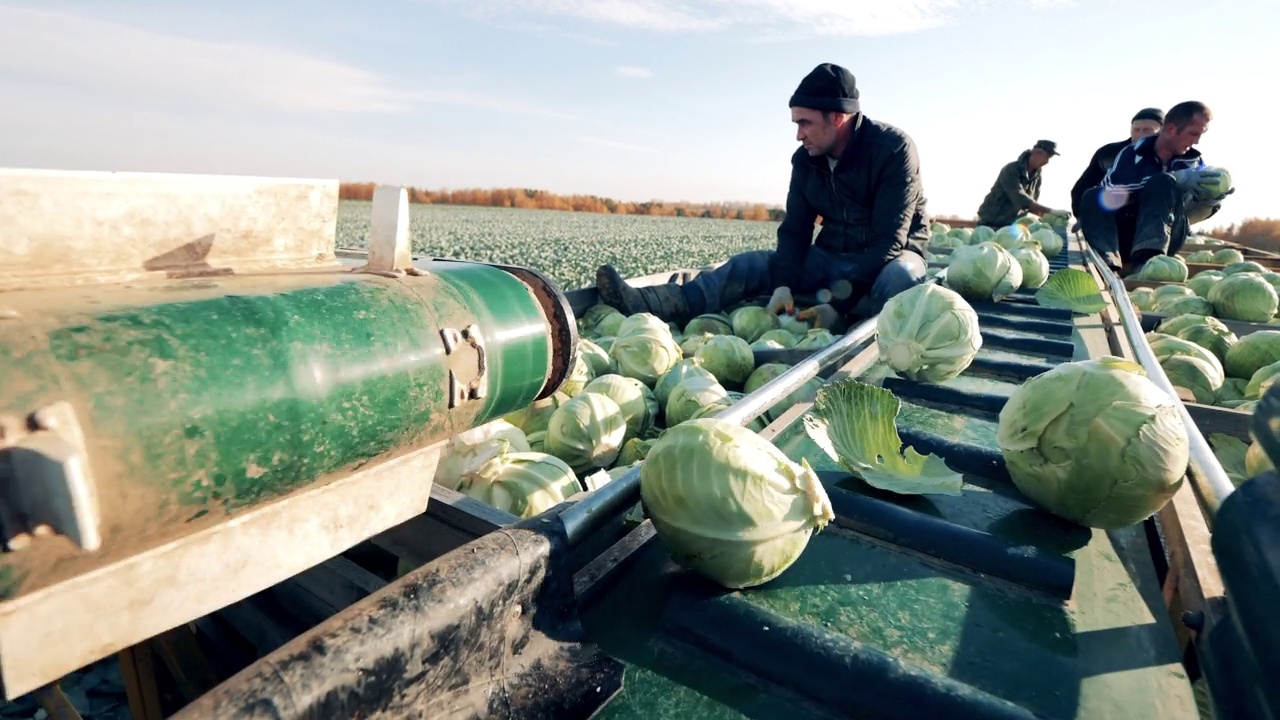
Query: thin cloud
[811, 17]
[605, 142]
[110, 63]
[627, 71]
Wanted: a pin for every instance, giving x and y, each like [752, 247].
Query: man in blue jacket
[1154, 191]
[862, 177]
[1147, 121]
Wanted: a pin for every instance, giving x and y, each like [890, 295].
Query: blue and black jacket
[1135, 165]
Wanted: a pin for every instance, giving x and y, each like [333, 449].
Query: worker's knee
[898, 275]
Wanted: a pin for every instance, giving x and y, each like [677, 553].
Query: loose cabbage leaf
[1071, 289]
[855, 424]
[1230, 451]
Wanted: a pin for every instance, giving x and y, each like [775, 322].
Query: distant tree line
[1262, 233]
[529, 198]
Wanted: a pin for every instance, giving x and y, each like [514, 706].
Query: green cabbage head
[521, 483]
[1252, 352]
[691, 394]
[815, 339]
[1244, 266]
[1202, 282]
[645, 353]
[729, 505]
[1212, 335]
[1050, 242]
[752, 321]
[928, 333]
[984, 272]
[1194, 375]
[1095, 442]
[728, 357]
[587, 432]
[714, 323]
[1143, 298]
[683, 369]
[1163, 268]
[1035, 266]
[635, 399]
[1244, 296]
[1227, 256]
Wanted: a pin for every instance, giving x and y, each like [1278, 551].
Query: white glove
[781, 301]
[823, 316]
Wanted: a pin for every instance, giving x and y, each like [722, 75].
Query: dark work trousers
[750, 274]
[1152, 223]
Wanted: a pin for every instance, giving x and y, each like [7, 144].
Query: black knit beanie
[828, 87]
[1149, 114]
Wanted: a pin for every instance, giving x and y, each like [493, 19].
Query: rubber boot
[666, 301]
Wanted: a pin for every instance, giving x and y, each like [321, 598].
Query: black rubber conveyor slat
[833, 669]
[1034, 346]
[965, 458]
[1012, 369]
[964, 546]
[990, 308]
[942, 395]
[1028, 325]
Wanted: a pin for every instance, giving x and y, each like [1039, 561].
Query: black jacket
[1099, 164]
[873, 204]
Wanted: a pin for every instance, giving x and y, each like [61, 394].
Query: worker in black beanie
[862, 178]
[1146, 122]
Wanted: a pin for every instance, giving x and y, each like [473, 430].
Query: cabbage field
[565, 246]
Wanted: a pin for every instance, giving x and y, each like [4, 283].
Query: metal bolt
[1193, 619]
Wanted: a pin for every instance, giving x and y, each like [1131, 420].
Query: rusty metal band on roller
[214, 399]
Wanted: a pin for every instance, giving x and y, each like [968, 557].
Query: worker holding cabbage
[862, 177]
[1016, 191]
[1155, 190]
[1146, 121]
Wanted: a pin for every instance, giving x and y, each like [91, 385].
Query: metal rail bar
[597, 507]
[1208, 478]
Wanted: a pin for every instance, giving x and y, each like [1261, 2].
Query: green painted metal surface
[1107, 652]
[214, 397]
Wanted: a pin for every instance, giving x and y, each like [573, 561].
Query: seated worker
[1017, 188]
[862, 177]
[1153, 192]
[1146, 122]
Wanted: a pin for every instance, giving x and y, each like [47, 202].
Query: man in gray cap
[1146, 122]
[862, 177]
[1017, 188]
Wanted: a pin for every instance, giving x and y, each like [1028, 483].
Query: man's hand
[1207, 184]
[781, 301]
[1188, 179]
[823, 316]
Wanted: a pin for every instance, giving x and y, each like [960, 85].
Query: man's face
[817, 133]
[1181, 139]
[1142, 128]
[1039, 158]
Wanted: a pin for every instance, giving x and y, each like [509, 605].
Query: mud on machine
[199, 399]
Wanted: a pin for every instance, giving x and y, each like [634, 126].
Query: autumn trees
[543, 200]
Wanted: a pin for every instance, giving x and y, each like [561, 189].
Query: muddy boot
[666, 301]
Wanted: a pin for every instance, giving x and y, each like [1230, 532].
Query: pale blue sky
[633, 99]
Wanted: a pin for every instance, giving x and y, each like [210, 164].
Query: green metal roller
[138, 412]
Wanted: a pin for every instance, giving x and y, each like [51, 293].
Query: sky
[676, 100]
